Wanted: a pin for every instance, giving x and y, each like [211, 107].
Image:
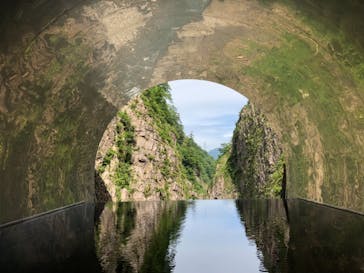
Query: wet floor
[187, 236]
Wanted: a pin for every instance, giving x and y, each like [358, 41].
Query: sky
[207, 110]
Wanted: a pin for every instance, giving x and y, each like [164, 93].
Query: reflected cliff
[301, 236]
[187, 236]
[135, 236]
[266, 226]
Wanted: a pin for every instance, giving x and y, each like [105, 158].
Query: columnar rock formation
[256, 160]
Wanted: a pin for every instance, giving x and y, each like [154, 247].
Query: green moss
[151, 157]
[195, 163]
[106, 160]
[125, 143]
[147, 191]
[274, 186]
[163, 113]
[284, 69]
[295, 73]
[166, 168]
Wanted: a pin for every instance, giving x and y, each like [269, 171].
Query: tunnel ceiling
[66, 68]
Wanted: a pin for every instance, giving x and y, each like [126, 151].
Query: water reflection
[135, 236]
[213, 240]
[267, 227]
[192, 236]
[316, 238]
[229, 236]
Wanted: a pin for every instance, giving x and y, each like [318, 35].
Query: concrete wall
[66, 68]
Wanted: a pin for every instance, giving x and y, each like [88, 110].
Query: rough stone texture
[255, 153]
[148, 159]
[67, 66]
[223, 186]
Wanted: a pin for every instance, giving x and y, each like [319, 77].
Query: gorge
[146, 155]
[68, 67]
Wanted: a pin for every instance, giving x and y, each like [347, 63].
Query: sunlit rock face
[256, 160]
[67, 67]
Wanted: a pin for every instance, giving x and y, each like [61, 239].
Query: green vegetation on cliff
[317, 72]
[163, 114]
[223, 166]
[223, 186]
[274, 186]
[253, 161]
[146, 155]
[197, 164]
[125, 143]
[196, 161]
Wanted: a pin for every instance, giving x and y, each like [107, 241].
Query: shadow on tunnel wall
[101, 193]
[66, 67]
[60, 241]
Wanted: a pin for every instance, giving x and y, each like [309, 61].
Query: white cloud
[228, 135]
[207, 109]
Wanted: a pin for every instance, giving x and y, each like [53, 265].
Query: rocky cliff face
[223, 186]
[256, 162]
[137, 160]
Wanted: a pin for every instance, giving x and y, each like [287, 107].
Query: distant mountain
[215, 153]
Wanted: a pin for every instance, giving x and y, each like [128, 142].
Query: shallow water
[187, 236]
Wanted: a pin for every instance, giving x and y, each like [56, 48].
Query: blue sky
[208, 110]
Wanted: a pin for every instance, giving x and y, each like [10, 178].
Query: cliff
[255, 161]
[223, 186]
[144, 154]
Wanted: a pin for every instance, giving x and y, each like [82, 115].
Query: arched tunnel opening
[67, 67]
[189, 139]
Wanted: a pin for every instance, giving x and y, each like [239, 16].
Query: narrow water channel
[213, 239]
[224, 236]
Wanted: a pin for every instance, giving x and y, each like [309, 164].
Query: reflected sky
[214, 240]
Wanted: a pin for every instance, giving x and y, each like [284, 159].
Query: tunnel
[68, 66]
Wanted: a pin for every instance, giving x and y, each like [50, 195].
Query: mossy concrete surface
[66, 69]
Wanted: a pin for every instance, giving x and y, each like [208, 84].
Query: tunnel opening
[67, 66]
[189, 139]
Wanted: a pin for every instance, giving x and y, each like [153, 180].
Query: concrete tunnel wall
[67, 66]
